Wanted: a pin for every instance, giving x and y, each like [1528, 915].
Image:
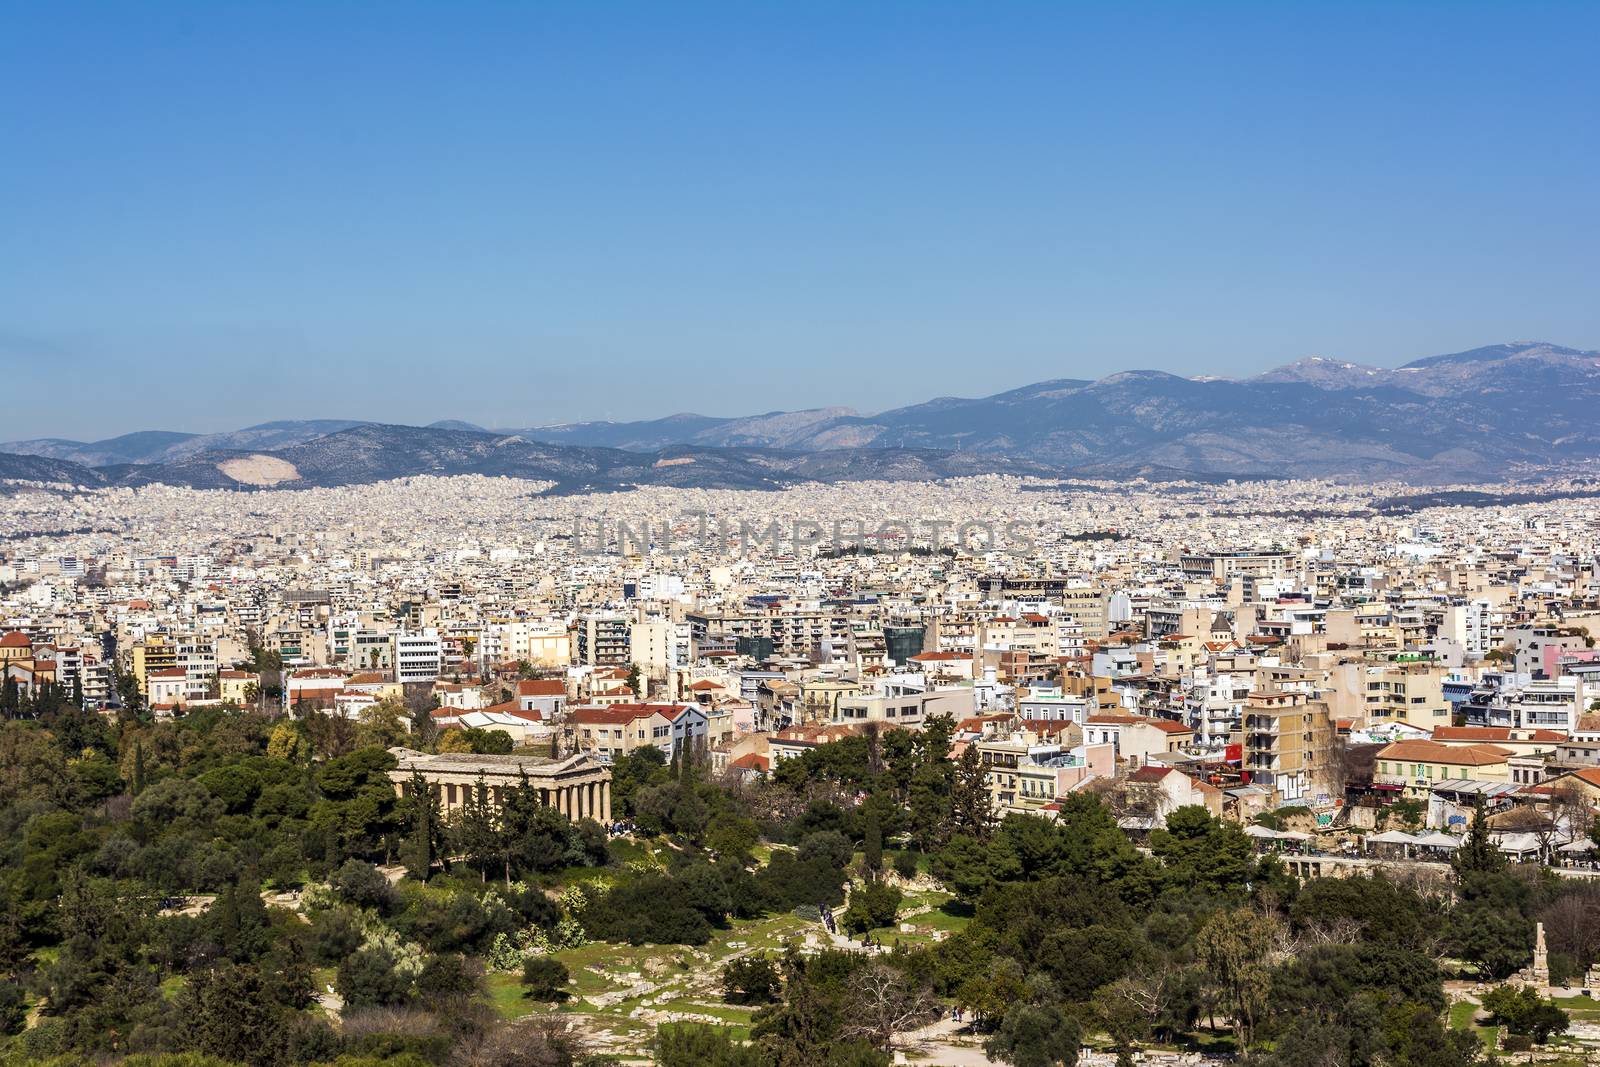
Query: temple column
[605, 803]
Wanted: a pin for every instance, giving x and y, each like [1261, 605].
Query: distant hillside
[44, 469]
[1458, 416]
[1461, 416]
[159, 446]
[373, 452]
[775, 429]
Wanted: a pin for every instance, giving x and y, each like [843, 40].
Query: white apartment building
[418, 656]
[1476, 625]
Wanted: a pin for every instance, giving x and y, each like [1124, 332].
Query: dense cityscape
[892, 534]
[988, 770]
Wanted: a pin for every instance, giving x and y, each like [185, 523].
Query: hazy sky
[213, 214]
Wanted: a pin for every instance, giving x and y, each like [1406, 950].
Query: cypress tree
[1478, 852]
[417, 854]
[872, 842]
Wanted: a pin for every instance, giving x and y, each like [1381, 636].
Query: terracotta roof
[1433, 752]
[15, 639]
[1169, 727]
[752, 762]
[1047, 726]
[541, 687]
[1486, 734]
[625, 713]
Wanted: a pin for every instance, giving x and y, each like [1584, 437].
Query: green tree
[1036, 1035]
[970, 808]
[1478, 853]
[427, 830]
[544, 978]
[872, 907]
[701, 1045]
[751, 979]
[872, 842]
[229, 1013]
[1233, 945]
[475, 834]
[1523, 1011]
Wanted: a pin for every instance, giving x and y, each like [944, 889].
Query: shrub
[335, 936]
[448, 975]
[370, 979]
[830, 846]
[13, 1010]
[365, 886]
[544, 978]
[699, 1045]
[905, 865]
[872, 906]
[751, 980]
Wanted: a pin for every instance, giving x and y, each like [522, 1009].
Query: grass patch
[505, 993]
[1460, 1017]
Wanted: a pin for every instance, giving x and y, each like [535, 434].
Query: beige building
[619, 729]
[819, 698]
[1417, 766]
[157, 652]
[238, 687]
[1287, 743]
[1406, 692]
[576, 786]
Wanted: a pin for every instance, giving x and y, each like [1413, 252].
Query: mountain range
[1457, 417]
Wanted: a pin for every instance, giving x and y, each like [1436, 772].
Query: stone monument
[1536, 974]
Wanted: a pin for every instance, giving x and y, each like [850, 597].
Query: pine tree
[519, 808]
[969, 797]
[475, 834]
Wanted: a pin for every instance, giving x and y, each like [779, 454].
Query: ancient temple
[578, 786]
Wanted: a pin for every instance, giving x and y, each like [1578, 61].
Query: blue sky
[213, 214]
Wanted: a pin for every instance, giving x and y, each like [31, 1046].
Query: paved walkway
[943, 1043]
